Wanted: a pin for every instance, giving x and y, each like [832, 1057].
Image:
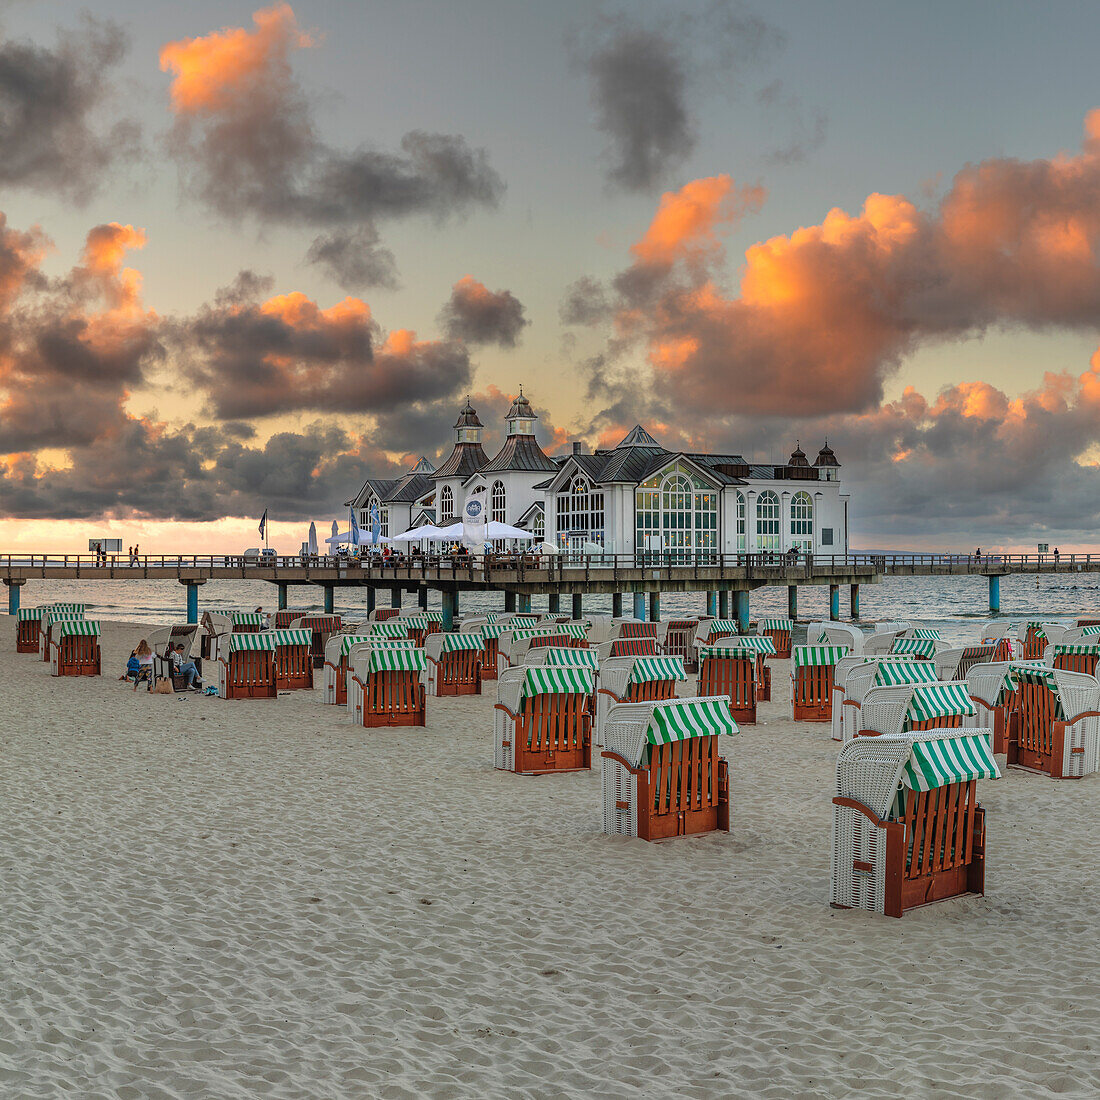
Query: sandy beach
[236, 899]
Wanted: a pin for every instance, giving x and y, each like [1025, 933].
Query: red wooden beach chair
[74, 648]
[542, 721]
[632, 647]
[635, 680]
[283, 619]
[246, 667]
[1055, 727]
[387, 688]
[454, 664]
[779, 631]
[321, 628]
[337, 664]
[27, 628]
[1074, 657]
[293, 659]
[680, 640]
[812, 681]
[733, 672]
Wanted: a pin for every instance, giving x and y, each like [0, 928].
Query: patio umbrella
[428, 531]
[505, 531]
[311, 543]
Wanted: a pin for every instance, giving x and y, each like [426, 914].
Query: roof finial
[798, 444]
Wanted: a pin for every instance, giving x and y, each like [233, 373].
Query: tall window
[679, 510]
[365, 520]
[741, 528]
[767, 521]
[446, 505]
[802, 522]
[580, 514]
[497, 510]
[538, 527]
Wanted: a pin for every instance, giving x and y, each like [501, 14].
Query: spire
[521, 417]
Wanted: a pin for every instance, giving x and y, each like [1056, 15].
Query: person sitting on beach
[133, 668]
[145, 664]
[185, 667]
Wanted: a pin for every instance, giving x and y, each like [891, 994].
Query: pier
[727, 580]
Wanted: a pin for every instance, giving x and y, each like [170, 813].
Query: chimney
[577, 448]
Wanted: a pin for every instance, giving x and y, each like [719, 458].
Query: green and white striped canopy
[648, 669]
[247, 618]
[391, 628]
[238, 642]
[926, 632]
[1040, 674]
[775, 624]
[77, 626]
[392, 643]
[77, 609]
[1075, 650]
[523, 620]
[292, 637]
[531, 631]
[567, 657]
[62, 617]
[723, 626]
[892, 673]
[416, 622]
[687, 718]
[1089, 630]
[547, 680]
[492, 616]
[574, 630]
[348, 640]
[433, 616]
[815, 656]
[27, 613]
[397, 660]
[719, 651]
[939, 701]
[922, 647]
[938, 762]
[494, 630]
[755, 642]
[452, 643]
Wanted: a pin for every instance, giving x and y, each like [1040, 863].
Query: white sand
[212, 899]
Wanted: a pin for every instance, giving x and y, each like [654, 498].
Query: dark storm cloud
[51, 137]
[585, 303]
[353, 259]
[478, 315]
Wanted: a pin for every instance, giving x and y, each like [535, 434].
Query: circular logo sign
[473, 509]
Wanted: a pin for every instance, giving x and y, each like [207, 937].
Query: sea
[953, 605]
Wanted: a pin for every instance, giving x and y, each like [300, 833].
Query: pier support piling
[523, 603]
[712, 604]
[639, 606]
[854, 599]
[723, 604]
[655, 607]
[422, 597]
[834, 602]
[792, 602]
[450, 608]
[741, 610]
[616, 605]
[509, 602]
[330, 592]
[554, 604]
[395, 596]
[371, 592]
[995, 595]
[282, 596]
[578, 605]
[192, 589]
[13, 596]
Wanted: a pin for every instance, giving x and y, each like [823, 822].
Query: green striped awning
[251, 641]
[648, 669]
[391, 628]
[1088, 630]
[247, 618]
[531, 631]
[416, 622]
[433, 616]
[922, 647]
[815, 656]
[722, 649]
[939, 701]
[567, 657]
[292, 637]
[1040, 674]
[26, 613]
[755, 642]
[523, 620]
[947, 760]
[452, 643]
[494, 630]
[893, 673]
[348, 640]
[1074, 650]
[723, 626]
[397, 660]
[776, 624]
[574, 630]
[77, 609]
[78, 626]
[492, 616]
[62, 617]
[546, 680]
[686, 718]
[926, 632]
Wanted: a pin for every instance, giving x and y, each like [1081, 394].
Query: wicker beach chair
[630, 647]
[1055, 726]
[454, 663]
[1034, 637]
[907, 826]
[541, 721]
[993, 691]
[923, 649]
[74, 648]
[321, 628]
[383, 614]
[1074, 656]
[28, 622]
[779, 630]
[49, 627]
[812, 681]
[880, 643]
[911, 708]
[386, 684]
[599, 628]
[163, 641]
[851, 637]
[337, 663]
[632, 628]
[246, 667]
[293, 659]
[880, 672]
[710, 631]
[680, 639]
[635, 680]
[736, 667]
[661, 772]
[956, 663]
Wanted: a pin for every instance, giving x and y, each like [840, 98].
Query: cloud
[644, 80]
[354, 260]
[50, 102]
[246, 142]
[478, 315]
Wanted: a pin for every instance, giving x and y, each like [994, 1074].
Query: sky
[250, 255]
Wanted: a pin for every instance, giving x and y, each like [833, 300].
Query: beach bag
[163, 687]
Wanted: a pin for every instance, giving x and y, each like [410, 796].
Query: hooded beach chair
[74, 648]
[28, 623]
[321, 628]
[879, 673]
[490, 652]
[599, 628]
[246, 667]
[661, 772]
[851, 637]
[386, 685]
[454, 663]
[993, 691]
[680, 639]
[911, 708]
[213, 626]
[48, 627]
[163, 642]
[248, 622]
[735, 667]
[879, 643]
[956, 663]
[541, 721]
[1074, 656]
[337, 662]
[1034, 637]
[779, 630]
[1055, 726]
[284, 619]
[812, 681]
[635, 680]
[907, 826]
[631, 647]
[710, 631]
[841, 675]
[514, 644]
[923, 649]
[293, 659]
[632, 628]
[383, 614]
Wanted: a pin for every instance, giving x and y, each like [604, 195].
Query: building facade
[635, 497]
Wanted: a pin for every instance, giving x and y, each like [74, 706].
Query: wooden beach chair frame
[294, 659]
[541, 733]
[245, 672]
[452, 672]
[390, 697]
[617, 685]
[75, 649]
[780, 636]
[322, 627]
[812, 687]
[1039, 740]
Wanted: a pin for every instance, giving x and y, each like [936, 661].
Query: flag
[375, 524]
[263, 523]
[353, 531]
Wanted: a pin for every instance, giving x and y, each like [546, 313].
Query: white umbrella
[363, 540]
[428, 531]
[547, 548]
[505, 531]
[312, 542]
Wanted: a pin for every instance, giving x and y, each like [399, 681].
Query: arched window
[498, 500]
[538, 527]
[767, 521]
[802, 522]
[365, 520]
[580, 514]
[677, 514]
[446, 505]
[741, 528]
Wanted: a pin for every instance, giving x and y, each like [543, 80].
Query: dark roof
[423, 466]
[380, 487]
[825, 456]
[467, 418]
[798, 457]
[521, 407]
[465, 459]
[637, 437]
[410, 488]
[520, 452]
